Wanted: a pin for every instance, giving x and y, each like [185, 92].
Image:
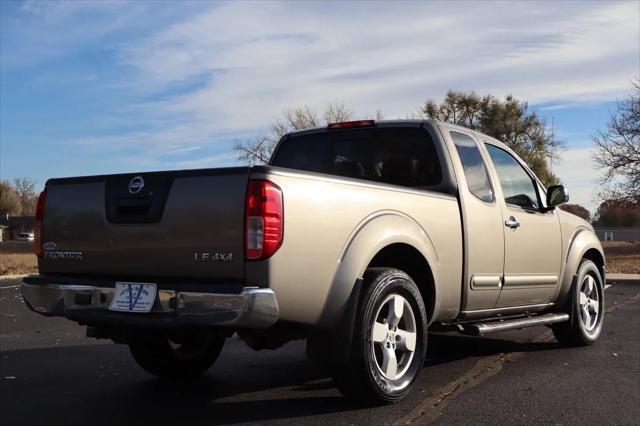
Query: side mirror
[556, 195]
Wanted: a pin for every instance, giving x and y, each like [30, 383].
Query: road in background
[51, 374]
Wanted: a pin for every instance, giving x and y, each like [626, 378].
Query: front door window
[518, 187]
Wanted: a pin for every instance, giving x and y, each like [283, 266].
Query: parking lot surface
[51, 374]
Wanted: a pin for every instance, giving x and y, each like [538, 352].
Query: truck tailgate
[183, 224]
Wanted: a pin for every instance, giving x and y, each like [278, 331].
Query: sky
[125, 86]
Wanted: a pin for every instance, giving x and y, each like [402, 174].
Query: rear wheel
[585, 307]
[177, 356]
[389, 342]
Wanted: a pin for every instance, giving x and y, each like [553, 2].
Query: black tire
[576, 332]
[177, 356]
[362, 377]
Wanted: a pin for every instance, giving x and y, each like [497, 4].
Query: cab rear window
[395, 155]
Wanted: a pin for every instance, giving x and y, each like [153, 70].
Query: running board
[480, 328]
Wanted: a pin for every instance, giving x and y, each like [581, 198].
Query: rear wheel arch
[372, 243]
[408, 259]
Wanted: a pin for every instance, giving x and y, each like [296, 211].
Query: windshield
[396, 155]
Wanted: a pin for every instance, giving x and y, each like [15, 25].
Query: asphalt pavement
[51, 374]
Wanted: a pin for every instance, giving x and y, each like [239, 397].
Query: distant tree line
[18, 198]
[616, 213]
[610, 213]
[578, 210]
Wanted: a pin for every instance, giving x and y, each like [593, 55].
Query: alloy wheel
[394, 337]
[589, 300]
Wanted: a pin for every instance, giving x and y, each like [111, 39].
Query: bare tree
[337, 112]
[618, 151]
[258, 150]
[9, 200]
[26, 190]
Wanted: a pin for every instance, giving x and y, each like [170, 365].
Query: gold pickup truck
[359, 237]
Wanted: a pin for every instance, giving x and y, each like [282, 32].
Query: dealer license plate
[133, 297]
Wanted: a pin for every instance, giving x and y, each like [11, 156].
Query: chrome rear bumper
[251, 308]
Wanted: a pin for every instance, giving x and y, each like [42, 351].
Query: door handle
[512, 223]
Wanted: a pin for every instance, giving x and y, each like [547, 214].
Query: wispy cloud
[577, 170]
[259, 59]
[220, 160]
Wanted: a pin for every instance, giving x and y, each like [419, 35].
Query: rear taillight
[37, 227]
[263, 219]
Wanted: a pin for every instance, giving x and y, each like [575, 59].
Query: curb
[13, 277]
[623, 278]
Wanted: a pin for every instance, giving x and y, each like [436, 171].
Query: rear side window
[399, 156]
[474, 170]
[517, 186]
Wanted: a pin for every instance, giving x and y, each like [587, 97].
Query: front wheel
[176, 356]
[585, 307]
[389, 342]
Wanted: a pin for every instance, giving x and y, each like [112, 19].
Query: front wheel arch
[583, 244]
[596, 257]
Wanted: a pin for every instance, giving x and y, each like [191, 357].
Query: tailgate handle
[133, 206]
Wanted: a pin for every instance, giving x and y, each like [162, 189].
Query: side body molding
[373, 234]
[581, 241]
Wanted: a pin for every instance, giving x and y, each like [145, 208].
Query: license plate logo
[133, 297]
